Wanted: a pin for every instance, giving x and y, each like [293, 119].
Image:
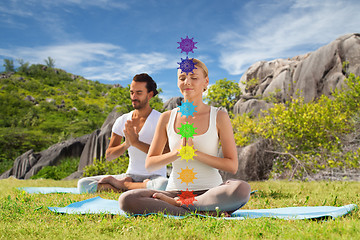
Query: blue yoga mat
[46, 190]
[99, 205]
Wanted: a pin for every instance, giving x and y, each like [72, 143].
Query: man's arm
[116, 148]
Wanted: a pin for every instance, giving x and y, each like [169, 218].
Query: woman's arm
[155, 158]
[229, 162]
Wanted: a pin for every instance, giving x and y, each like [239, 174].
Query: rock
[252, 106]
[173, 103]
[30, 99]
[309, 76]
[117, 85]
[49, 100]
[98, 141]
[31, 163]
[255, 163]
[75, 175]
[6, 75]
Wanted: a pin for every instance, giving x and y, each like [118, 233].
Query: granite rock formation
[309, 76]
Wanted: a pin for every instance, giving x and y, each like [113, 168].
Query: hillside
[40, 106]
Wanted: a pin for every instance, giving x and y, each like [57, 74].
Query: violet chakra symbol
[187, 65]
[187, 45]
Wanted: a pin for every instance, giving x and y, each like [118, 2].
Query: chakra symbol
[187, 108]
[187, 152]
[187, 65]
[187, 45]
[187, 176]
[187, 130]
[187, 197]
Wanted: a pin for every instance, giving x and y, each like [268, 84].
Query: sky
[112, 40]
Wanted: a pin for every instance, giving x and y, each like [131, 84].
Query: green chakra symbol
[187, 130]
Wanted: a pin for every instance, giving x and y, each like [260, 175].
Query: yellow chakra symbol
[187, 176]
[187, 152]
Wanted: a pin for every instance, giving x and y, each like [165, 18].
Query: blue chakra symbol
[187, 65]
[187, 45]
[187, 108]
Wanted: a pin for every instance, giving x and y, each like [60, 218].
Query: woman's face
[192, 84]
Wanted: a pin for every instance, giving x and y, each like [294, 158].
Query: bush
[309, 136]
[224, 93]
[103, 167]
[64, 169]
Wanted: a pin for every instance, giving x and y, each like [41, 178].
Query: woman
[206, 184]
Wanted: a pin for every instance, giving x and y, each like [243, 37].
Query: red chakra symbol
[187, 197]
[187, 45]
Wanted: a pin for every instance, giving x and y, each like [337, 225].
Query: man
[138, 128]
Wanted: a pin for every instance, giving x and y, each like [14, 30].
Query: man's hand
[131, 134]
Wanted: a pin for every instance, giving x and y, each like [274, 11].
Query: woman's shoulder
[222, 115]
[165, 116]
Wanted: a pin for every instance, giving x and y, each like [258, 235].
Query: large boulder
[309, 76]
[173, 103]
[30, 163]
[252, 106]
[255, 162]
[98, 141]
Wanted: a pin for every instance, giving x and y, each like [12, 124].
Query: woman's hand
[173, 201]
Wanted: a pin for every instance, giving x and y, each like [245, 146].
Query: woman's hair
[150, 83]
[200, 64]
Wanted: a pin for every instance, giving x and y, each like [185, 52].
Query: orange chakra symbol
[187, 197]
[187, 176]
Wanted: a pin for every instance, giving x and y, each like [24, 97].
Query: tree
[224, 93]
[9, 65]
[24, 66]
[50, 63]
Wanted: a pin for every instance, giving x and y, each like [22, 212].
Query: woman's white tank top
[206, 177]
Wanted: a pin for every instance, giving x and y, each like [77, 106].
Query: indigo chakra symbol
[187, 45]
[187, 109]
[187, 65]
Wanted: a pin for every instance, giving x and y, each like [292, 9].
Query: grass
[25, 216]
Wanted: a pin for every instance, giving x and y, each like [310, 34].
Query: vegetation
[224, 93]
[25, 216]
[64, 169]
[61, 106]
[103, 167]
[309, 136]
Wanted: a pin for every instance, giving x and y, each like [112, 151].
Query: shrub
[103, 167]
[308, 136]
[224, 93]
[64, 169]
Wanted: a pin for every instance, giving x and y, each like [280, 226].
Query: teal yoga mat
[99, 205]
[46, 190]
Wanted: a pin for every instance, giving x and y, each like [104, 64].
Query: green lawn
[25, 216]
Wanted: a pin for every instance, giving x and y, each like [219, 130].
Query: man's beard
[139, 104]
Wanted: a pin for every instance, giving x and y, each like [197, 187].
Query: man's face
[139, 94]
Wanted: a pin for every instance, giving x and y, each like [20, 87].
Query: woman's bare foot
[163, 197]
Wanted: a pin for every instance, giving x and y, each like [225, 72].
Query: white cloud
[95, 61]
[293, 28]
